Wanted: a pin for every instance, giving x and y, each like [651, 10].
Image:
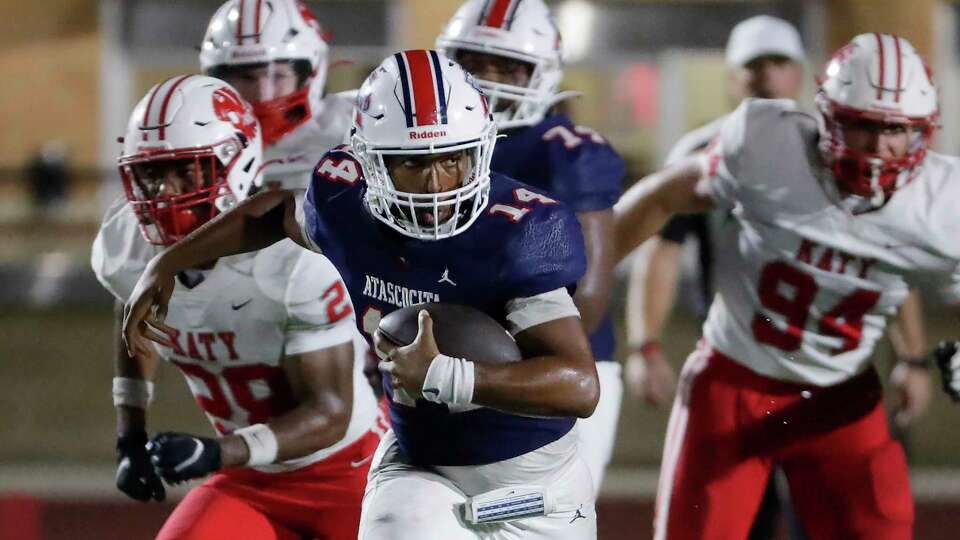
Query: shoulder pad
[544, 247]
[119, 252]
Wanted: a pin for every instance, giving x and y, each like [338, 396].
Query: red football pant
[729, 426]
[319, 501]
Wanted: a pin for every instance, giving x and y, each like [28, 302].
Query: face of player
[888, 141]
[172, 177]
[430, 174]
[770, 77]
[263, 82]
[498, 69]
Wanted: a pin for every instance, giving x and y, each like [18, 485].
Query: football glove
[949, 363]
[135, 474]
[179, 457]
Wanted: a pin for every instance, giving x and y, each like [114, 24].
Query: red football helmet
[192, 149]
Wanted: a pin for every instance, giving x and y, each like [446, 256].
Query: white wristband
[449, 380]
[130, 392]
[261, 443]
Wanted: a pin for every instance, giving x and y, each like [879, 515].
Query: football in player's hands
[948, 360]
[179, 457]
[135, 474]
[460, 331]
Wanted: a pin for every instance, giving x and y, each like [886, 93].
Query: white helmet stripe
[240, 19]
[890, 63]
[248, 20]
[146, 114]
[166, 101]
[154, 116]
[896, 41]
[881, 80]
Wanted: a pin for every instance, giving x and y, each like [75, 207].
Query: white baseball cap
[763, 35]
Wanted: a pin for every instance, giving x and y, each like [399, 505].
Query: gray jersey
[804, 284]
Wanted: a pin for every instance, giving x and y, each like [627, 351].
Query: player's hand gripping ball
[411, 337]
[179, 457]
[135, 474]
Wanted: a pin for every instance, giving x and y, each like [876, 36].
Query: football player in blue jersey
[409, 212]
[512, 48]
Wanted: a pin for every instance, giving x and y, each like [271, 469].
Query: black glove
[135, 474]
[179, 457]
[949, 364]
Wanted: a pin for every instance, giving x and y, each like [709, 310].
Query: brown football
[460, 331]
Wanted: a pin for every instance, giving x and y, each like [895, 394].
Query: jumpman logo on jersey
[578, 515]
[446, 277]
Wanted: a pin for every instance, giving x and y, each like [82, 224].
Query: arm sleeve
[721, 160]
[319, 312]
[524, 313]
[587, 176]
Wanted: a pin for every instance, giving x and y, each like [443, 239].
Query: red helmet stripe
[240, 23]
[896, 94]
[498, 13]
[256, 22]
[882, 80]
[422, 81]
[166, 101]
[146, 114]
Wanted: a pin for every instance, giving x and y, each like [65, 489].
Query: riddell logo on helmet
[427, 135]
[259, 51]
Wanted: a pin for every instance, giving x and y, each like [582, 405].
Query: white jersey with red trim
[232, 330]
[807, 278]
[289, 163]
[694, 141]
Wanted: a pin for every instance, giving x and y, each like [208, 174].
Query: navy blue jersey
[573, 164]
[515, 249]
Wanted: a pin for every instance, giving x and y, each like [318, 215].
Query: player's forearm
[907, 334]
[592, 304]
[129, 418]
[645, 208]
[543, 386]
[300, 432]
[254, 224]
[593, 291]
[651, 290]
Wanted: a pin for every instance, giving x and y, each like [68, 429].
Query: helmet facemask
[867, 173]
[202, 189]
[407, 212]
[516, 105]
[279, 112]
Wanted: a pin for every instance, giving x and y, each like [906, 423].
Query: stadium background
[72, 70]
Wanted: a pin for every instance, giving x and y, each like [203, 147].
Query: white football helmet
[192, 149]
[245, 33]
[876, 79]
[523, 30]
[421, 102]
